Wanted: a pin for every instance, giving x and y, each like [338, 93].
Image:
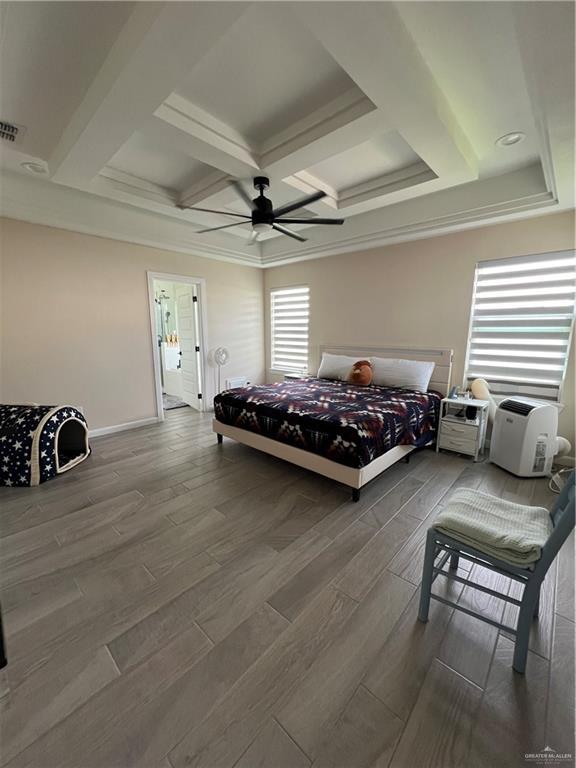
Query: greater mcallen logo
[548, 756]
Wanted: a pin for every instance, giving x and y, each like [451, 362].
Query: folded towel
[514, 533]
[171, 357]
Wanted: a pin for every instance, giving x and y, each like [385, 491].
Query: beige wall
[76, 324]
[417, 293]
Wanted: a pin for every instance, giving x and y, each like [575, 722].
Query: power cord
[556, 484]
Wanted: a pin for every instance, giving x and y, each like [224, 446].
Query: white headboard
[442, 358]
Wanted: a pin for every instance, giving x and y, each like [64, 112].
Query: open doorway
[177, 321]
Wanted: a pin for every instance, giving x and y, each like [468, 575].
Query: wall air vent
[11, 132]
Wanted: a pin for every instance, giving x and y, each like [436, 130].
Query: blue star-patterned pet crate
[38, 442]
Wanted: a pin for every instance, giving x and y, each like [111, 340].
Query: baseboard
[122, 427]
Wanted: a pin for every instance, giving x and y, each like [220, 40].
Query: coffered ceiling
[392, 109]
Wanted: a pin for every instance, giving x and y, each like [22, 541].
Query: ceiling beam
[159, 44]
[206, 137]
[334, 127]
[389, 69]
[344, 122]
[349, 119]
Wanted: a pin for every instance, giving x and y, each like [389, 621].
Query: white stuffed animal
[481, 391]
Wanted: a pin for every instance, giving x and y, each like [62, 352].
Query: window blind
[521, 324]
[289, 323]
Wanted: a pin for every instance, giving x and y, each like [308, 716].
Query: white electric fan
[221, 357]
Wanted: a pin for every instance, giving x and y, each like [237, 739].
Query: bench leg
[537, 608]
[220, 438]
[355, 494]
[528, 608]
[426, 588]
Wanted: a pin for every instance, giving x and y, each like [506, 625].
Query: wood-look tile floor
[174, 603]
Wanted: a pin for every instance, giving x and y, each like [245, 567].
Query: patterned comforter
[342, 422]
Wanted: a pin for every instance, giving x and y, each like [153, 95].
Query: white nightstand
[456, 432]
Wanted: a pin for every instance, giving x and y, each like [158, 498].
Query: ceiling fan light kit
[264, 217]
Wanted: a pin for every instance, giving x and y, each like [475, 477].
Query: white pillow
[335, 366]
[411, 374]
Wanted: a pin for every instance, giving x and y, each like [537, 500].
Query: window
[522, 318]
[289, 320]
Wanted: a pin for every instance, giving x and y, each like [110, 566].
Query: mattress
[347, 424]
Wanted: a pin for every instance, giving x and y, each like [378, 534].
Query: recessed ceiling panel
[158, 163]
[265, 74]
[49, 53]
[376, 157]
[471, 49]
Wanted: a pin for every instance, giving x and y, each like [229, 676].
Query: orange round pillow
[361, 373]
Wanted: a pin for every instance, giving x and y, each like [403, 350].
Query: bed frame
[350, 476]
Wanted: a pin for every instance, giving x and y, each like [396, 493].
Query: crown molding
[368, 191]
[131, 190]
[110, 179]
[519, 194]
[531, 204]
[414, 174]
[198, 191]
[347, 108]
[55, 205]
[409, 233]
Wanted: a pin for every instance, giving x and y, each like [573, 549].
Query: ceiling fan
[264, 216]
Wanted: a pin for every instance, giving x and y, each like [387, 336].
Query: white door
[189, 343]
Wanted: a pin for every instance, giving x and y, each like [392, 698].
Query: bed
[347, 433]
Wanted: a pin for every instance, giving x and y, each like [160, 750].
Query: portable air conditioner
[524, 437]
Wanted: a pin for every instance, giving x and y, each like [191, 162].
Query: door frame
[200, 283]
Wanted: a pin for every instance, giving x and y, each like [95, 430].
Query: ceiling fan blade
[299, 203]
[210, 210]
[287, 232]
[242, 193]
[312, 220]
[225, 226]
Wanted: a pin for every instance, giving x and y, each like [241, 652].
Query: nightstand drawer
[459, 444]
[459, 431]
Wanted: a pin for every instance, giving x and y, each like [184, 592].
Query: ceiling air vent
[11, 132]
